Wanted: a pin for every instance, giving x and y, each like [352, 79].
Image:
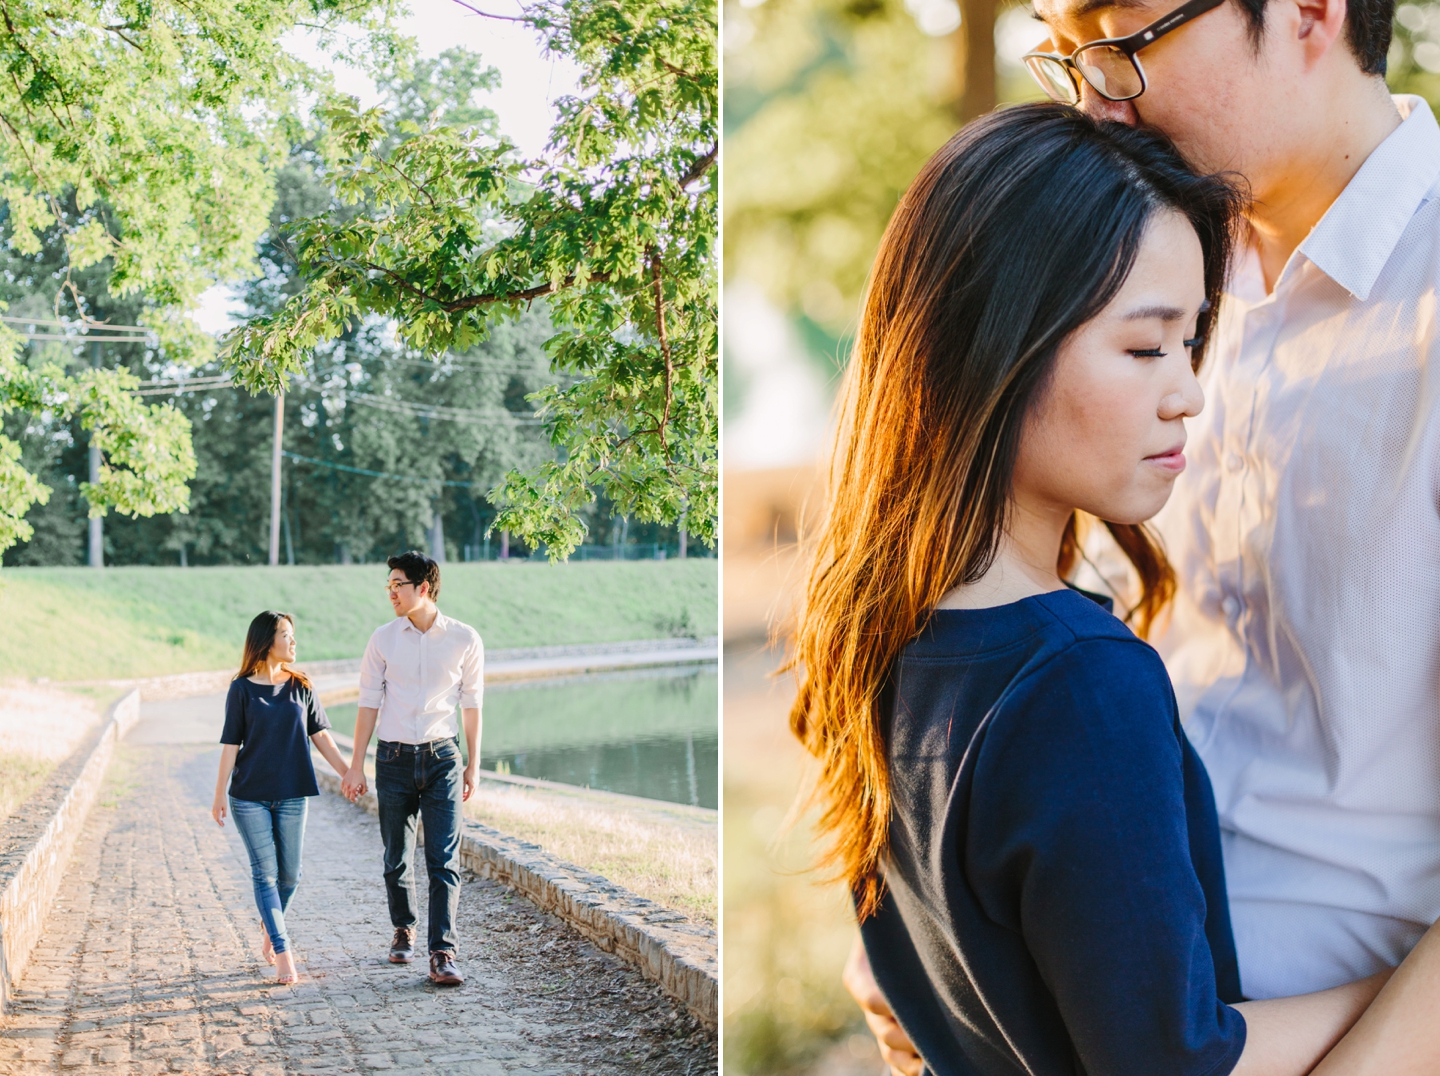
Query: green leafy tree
[831, 107]
[452, 232]
[365, 404]
[139, 139]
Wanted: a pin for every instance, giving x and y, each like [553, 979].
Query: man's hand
[895, 1046]
[471, 777]
[353, 783]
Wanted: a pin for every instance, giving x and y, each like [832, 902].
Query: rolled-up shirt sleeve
[372, 676]
[472, 675]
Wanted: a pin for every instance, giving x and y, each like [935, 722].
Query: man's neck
[424, 616]
[1288, 204]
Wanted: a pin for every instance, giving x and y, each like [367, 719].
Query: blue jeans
[273, 832]
[425, 779]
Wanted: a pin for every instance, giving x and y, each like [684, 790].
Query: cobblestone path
[150, 961]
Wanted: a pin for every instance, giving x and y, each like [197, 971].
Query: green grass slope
[79, 623]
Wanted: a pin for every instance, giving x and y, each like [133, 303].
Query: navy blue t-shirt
[1055, 898]
[272, 723]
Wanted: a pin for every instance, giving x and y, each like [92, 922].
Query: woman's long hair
[1016, 233]
[259, 639]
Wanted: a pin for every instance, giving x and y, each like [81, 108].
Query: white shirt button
[1234, 463]
[1230, 606]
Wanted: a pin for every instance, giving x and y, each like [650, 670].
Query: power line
[16, 319]
[378, 474]
[440, 411]
[466, 416]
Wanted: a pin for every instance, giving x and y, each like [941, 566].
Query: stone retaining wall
[680, 955]
[185, 685]
[36, 842]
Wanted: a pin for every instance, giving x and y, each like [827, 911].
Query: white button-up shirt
[1305, 641]
[416, 679]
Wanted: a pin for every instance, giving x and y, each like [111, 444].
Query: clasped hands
[353, 785]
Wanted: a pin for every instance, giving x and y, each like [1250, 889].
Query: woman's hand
[896, 1049]
[228, 754]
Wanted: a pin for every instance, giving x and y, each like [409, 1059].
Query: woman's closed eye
[1156, 353]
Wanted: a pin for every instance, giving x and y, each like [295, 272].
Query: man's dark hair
[1368, 25]
[418, 568]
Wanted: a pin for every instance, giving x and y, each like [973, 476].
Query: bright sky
[529, 84]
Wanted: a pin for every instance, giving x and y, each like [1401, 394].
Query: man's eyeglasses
[391, 586]
[1109, 65]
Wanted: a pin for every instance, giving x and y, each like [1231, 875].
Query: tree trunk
[976, 41]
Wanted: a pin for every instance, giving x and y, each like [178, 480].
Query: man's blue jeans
[273, 832]
[427, 779]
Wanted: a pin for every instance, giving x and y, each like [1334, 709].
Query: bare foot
[285, 968]
[267, 950]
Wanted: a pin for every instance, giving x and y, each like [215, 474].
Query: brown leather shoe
[443, 970]
[402, 949]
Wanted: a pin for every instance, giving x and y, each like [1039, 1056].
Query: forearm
[227, 765]
[365, 720]
[325, 744]
[1398, 1034]
[470, 716]
[1289, 1036]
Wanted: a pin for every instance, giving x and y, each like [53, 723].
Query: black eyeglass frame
[1129, 45]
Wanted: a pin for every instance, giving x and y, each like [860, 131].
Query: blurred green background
[830, 108]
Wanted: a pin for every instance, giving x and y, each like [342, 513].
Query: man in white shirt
[1305, 641]
[416, 671]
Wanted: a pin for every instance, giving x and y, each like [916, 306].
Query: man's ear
[1319, 25]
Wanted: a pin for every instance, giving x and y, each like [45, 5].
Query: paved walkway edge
[31, 876]
[680, 955]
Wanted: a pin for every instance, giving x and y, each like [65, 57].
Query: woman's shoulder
[1095, 686]
[1042, 624]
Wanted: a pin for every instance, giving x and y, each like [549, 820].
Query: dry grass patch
[39, 726]
[669, 856]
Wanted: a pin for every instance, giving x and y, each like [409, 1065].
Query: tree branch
[491, 15]
[664, 348]
[470, 302]
[700, 167]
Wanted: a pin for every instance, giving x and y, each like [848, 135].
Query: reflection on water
[648, 732]
[681, 770]
[651, 732]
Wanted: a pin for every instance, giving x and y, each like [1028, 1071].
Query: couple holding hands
[1072, 851]
[417, 671]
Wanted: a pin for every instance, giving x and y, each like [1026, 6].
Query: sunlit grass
[786, 934]
[669, 856]
[38, 728]
[80, 624]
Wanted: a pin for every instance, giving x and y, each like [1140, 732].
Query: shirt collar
[407, 625]
[1358, 233]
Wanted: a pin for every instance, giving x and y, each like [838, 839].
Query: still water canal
[651, 732]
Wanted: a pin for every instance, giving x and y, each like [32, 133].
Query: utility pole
[275, 480]
[97, 525]
[437, 535]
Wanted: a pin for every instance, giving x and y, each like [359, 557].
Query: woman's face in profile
[1107, 435]
[283, 648]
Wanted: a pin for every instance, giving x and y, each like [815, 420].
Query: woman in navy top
[1031, 841]
[271, 717]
